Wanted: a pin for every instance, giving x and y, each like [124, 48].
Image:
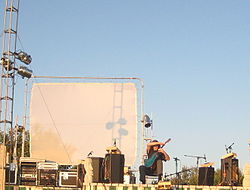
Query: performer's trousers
[151, 172]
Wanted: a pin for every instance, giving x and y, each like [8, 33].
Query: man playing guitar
[153, 165]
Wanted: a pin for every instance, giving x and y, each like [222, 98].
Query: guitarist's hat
[156, 141]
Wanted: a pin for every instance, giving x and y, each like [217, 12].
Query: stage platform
[99, 186]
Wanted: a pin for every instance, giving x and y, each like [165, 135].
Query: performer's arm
[155, 144]
[166, 156]
[151, 144]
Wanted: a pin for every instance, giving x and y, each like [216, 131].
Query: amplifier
[47, 166]
[11, 174]
[71, 175]
[28, 173]
[47, 177]
[68, 179]
[47, 173]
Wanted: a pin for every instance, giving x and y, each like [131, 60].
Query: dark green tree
[11, 142]
[217, 176]
[26, 144]
[187, 176]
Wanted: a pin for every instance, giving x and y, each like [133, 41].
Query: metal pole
[1, 87]
[176, 171]
[197, 163]
[25, 116]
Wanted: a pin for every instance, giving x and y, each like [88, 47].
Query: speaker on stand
[206, 176]
[229, 170]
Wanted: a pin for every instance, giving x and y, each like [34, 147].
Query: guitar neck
[166, 142]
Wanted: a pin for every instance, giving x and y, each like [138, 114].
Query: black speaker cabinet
[206, 176]
[229, 171]
[114, 168]
[97, 164]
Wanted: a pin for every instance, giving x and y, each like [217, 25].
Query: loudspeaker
[114, 168]
[206, 176]
[229, 171]
[97, 163]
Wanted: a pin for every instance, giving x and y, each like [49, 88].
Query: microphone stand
[197, 162]
[176, 171]
[229, 148]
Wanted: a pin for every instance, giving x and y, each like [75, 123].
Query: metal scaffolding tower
[8, 71]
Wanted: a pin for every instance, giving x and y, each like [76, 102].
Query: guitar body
[149, 162]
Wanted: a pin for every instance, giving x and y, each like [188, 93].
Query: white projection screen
[69, 120]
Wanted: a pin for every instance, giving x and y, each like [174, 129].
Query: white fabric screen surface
[69, 120]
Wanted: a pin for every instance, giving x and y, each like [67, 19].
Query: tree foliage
[189, 176]
[10, 141]
[217, 176]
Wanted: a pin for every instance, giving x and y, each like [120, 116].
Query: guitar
[150, 161]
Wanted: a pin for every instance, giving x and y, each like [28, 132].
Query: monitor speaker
[206, 176]
[229, 171]
[114, 168]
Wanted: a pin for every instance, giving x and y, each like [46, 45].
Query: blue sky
[193, 56]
